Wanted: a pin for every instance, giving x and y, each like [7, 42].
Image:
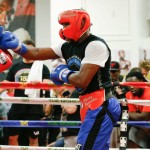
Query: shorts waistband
[93, 100]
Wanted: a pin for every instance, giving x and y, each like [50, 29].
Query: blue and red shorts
[98, 124]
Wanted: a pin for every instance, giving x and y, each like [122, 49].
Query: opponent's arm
[137, 116]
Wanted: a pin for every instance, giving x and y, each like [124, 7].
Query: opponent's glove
[8, 40]
[5, 60]
[60, 74]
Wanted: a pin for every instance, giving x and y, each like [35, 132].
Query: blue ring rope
[57, 124]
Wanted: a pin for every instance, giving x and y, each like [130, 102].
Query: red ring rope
[30, 85]
[45, 85]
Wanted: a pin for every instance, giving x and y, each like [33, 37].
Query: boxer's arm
[40, 53]
[61, 74]
[83, 77]
[8, 40]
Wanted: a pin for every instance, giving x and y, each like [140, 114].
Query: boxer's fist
[8, 40]
[5, 60]
[60, 74]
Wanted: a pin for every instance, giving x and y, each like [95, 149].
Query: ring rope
[9, 147]
[18, 85]
[57, 124]
[143, 102]
[5, 147]
[33, 85]
[29, 123]
[59, 101]
[27, 100]
[135, 84]
[49, 85]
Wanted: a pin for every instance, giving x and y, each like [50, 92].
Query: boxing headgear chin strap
[74, 18]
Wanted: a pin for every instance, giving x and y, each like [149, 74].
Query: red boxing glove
[5, 60]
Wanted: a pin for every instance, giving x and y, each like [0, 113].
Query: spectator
[19, 73]
[115, 71]
[69, 113]
[2, 76]
[145, 68]
[119, 92]
[138, 136]
[136, 69]
[4, 109]
[53, 112]
[7, 93]
[3, 116]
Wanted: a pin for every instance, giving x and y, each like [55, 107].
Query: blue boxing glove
[10, 41]
[1, 30]
[60, 74]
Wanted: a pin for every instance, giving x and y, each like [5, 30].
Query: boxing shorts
[91, 101]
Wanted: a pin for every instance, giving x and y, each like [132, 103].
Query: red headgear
[74, 18]
[5, 60]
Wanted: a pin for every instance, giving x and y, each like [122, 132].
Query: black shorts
[30, 132]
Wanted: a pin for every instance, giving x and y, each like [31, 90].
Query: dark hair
[32, 1]
[136, 69]
[145, 64]
[10, 2]
[29, 42]
[138, 75]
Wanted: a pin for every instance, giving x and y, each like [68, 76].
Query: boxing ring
[59, 101]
